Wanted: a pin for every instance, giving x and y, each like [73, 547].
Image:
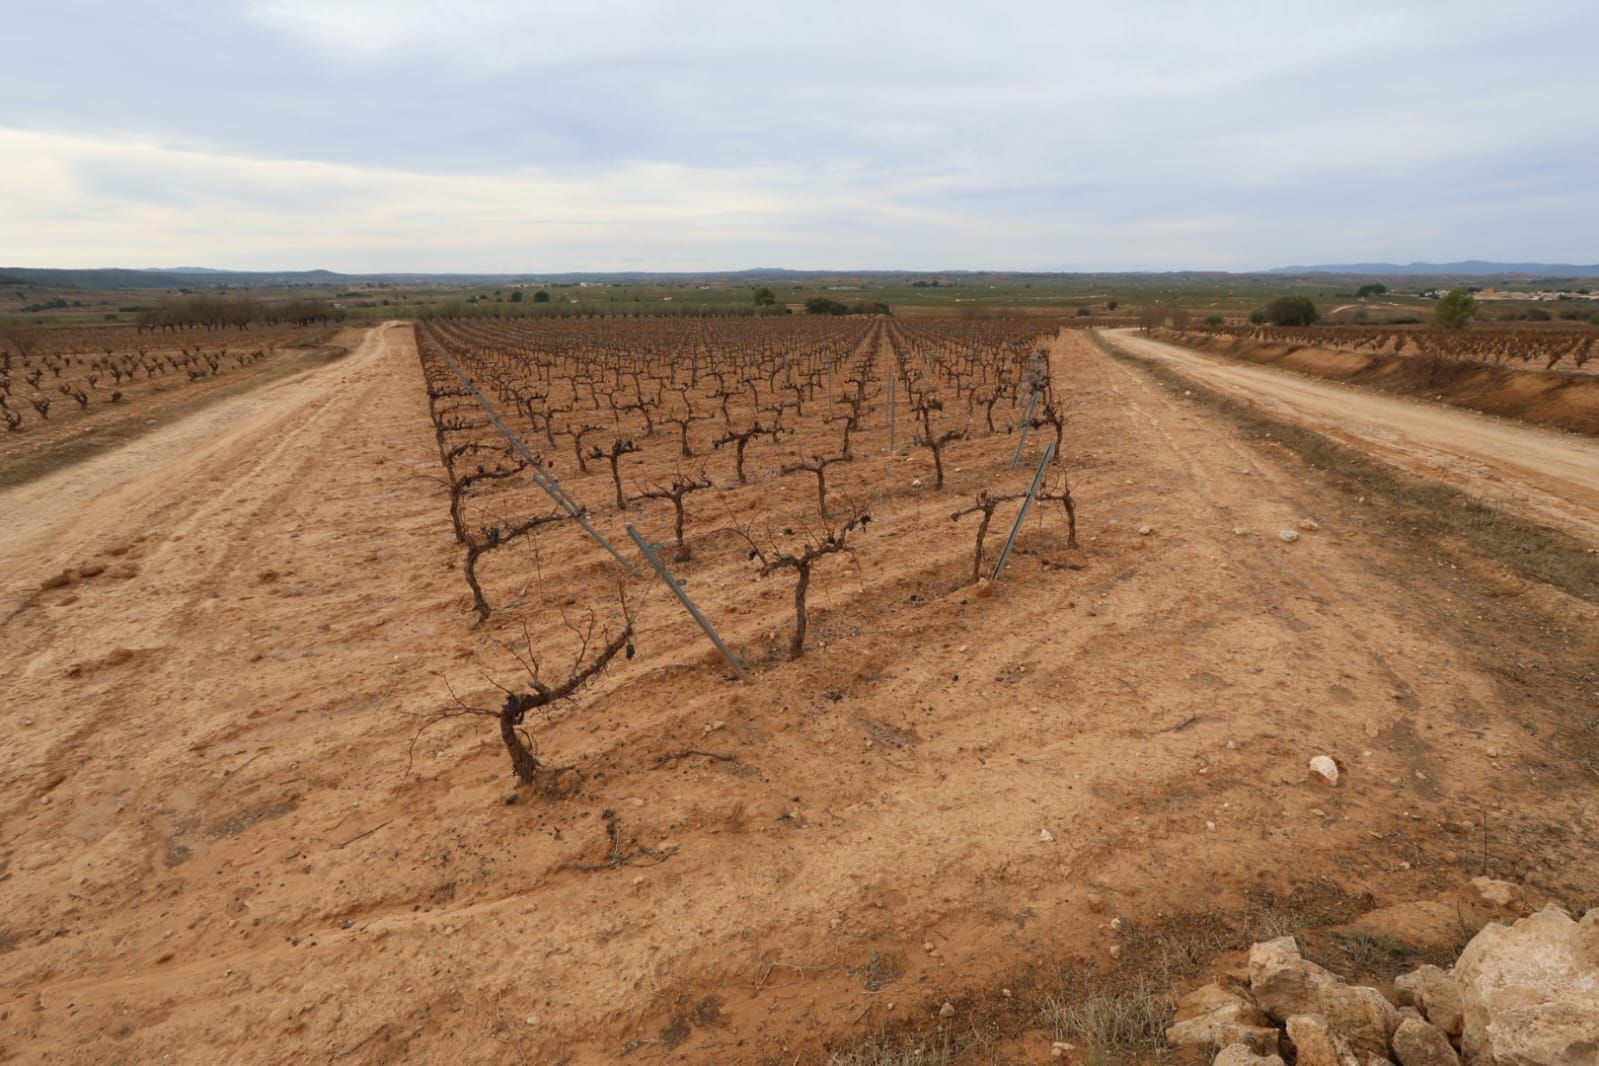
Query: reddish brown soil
[215, 846]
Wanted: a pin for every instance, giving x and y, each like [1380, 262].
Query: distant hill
[210, 278]
[1466, 268]
[117, 278]
[101, 278]
[184, 270]
[110, 278]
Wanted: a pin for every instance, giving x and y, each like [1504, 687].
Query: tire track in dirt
[1551, 476]
[82, 510]
[185, 542]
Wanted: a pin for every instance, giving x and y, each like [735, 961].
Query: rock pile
[1520, 995]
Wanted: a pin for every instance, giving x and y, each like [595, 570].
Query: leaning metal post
[1032, 409]
[677, 590]
[1038, 480]
[542, 477]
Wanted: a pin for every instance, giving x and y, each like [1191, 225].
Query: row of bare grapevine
[43, 371]
[1544, 346]
[762, 445]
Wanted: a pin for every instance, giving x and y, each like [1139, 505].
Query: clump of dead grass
[1131, 1018]
[937, 1050]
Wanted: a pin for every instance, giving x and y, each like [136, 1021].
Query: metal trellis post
[541, 476]
[1027, 504]
[677, 590]
[1027, 424]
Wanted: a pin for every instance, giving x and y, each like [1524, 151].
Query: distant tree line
[234, 312]
[543, 308]
[821, 305]
[54, 303]
[1538, 314]
[1286, 311]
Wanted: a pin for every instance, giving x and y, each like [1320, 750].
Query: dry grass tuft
[1133, 1018]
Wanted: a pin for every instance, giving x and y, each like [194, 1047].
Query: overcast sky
[497, 135]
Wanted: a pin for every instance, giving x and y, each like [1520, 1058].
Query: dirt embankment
[1563, 400]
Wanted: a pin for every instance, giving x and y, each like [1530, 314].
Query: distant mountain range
[209, 277]
[183, 270]
[103, 278]
[159, 278]
[1466, 268]
[196, 277]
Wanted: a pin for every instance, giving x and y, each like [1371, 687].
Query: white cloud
[504, 34]
[69, 197]
[72, 198]
[495, 134]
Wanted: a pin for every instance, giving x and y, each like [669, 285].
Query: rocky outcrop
[1215, 1017]
[1435, 994]
[1280, 979]
[1530, 992]
[1239, 1055]
[1418, 1043]
[1317, 1044]
[1285, 984]
[1519, 995]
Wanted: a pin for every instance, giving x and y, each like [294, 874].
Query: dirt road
[217, 843]
[69, 517]
[1550, 476]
